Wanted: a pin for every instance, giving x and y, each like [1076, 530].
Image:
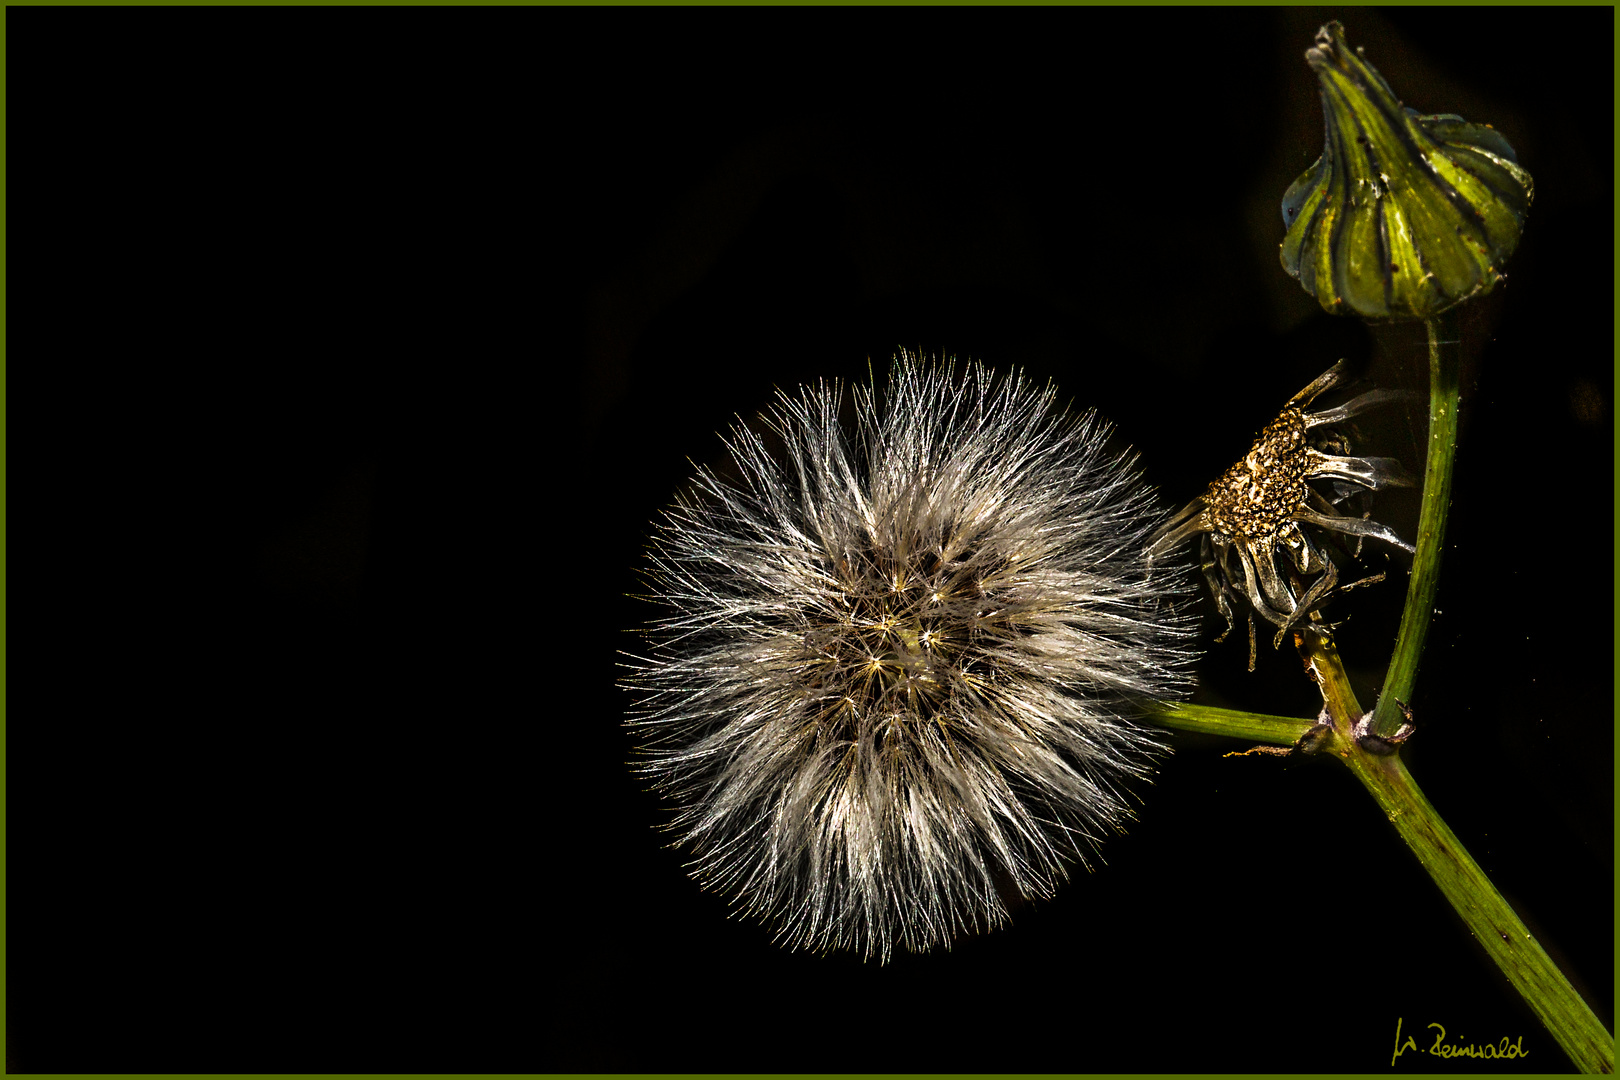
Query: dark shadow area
[316, 756]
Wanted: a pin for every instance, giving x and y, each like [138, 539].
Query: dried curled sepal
[1383, 745]
[1403, 215]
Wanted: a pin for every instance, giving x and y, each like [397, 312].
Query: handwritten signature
[1441, 1048]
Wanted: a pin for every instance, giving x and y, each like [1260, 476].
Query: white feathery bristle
[902, 664]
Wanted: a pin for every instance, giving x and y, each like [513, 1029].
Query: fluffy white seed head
[898, 671]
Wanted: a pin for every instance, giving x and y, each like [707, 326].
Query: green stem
[1256, 727]
[1444, 361]
[1486, 913]
[1488, 916]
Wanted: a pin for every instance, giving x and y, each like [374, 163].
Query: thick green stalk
[1257, 727]
[1444, 361]
[1488, 916]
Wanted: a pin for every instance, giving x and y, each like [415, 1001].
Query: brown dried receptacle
[1260, 508]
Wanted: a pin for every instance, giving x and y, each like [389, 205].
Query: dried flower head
[1260, 508]
[900, 668]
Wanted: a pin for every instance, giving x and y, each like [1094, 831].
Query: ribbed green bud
[1403, 215]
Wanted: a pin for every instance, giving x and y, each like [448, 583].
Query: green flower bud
[1403, 215]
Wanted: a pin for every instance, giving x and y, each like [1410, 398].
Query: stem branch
[1488, 916]
[1445, 351]
[1255, 727]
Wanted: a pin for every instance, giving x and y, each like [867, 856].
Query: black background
[353, 354]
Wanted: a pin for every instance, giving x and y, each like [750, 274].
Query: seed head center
[1256, 497]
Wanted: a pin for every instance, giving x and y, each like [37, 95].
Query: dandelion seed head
[900, 665]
